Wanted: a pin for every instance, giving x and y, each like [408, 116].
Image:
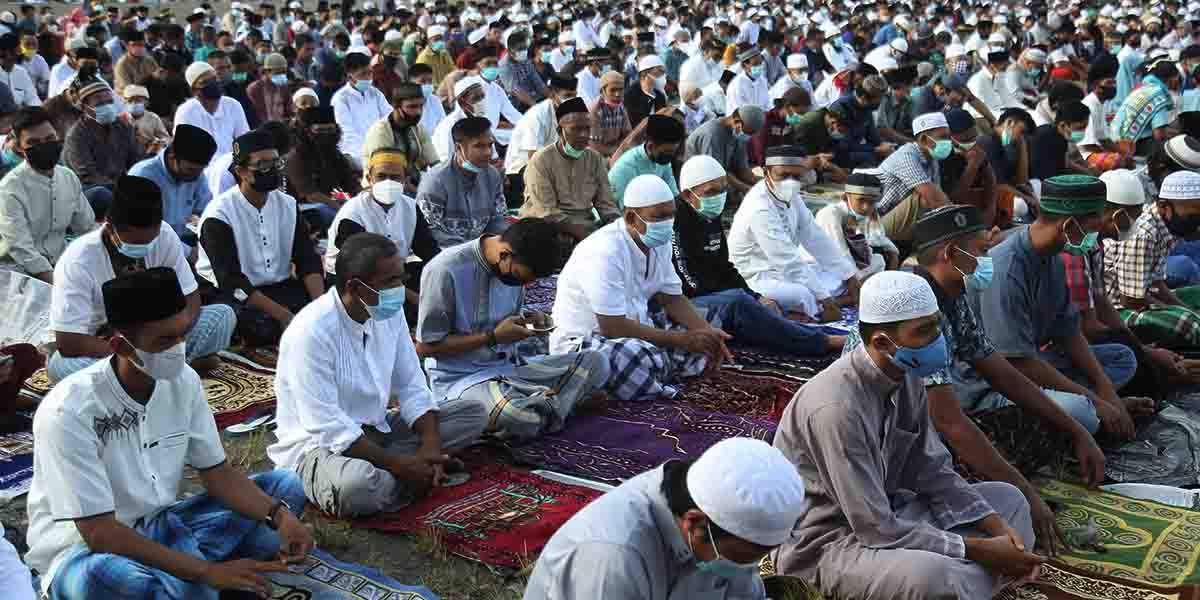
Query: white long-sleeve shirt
[588, 86]
[992, 90]
[355, 112]
[840, 59]
[585, 36]
[23, 90]
[782, 240]
[225, 125]
[832, 220]
[743, 91]
[336, 375]
[697, 71]
[61, 75]
[497, 104]
[39, 72]
[536, 130]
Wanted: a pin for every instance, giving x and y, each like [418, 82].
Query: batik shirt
[461, 207]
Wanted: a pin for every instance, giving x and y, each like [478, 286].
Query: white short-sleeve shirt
[608, 274]
[77, 304]
[264, 237]
[98, 451]
[226, 124]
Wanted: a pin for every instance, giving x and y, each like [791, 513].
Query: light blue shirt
[633, 163]
[180, 199]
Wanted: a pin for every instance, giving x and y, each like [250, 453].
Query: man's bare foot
[1139, 406]
[206, 363]
[594, 402]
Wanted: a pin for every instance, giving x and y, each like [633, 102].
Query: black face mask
[44, 156]
[211, 90]
[1106, 93]
[325, 140]
[662, 158]
[266, 181]
[390, 61]
[1182, 226]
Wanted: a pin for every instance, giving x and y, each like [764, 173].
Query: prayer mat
[16, 461]
[1165, 450]
[38, 384]
[794, 366]
[1025, 440]
[322, 577]
[628, 438]
[759, 396]
[1146, 545]
[500, 517]
[540, 294]
[236, 392]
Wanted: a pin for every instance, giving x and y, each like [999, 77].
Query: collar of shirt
[478, 252]
[355, 330]
[872, 376]
[118, 391]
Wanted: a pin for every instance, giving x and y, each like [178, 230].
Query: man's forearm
[314, 285]
[453, 345]
[365, 449]
[426, 427]
[114, 537]
[621, 327]
[681, 311]
[236, 491]
[1021, 391]
[973, 447]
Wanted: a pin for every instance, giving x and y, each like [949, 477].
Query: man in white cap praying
[797, 77]
[469, 97]
[888, 516]
[911, 176]
[688, 529]
[210, 109]
[750, 87]
[604, 301]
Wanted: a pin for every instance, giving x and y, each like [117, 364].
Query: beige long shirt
[35, 214]
[133, 70]
[864, 443]
[560, 189]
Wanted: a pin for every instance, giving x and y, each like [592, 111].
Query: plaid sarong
[1170, 326]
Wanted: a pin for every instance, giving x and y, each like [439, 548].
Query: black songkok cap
[945, 223]
[193, 144]
[570, 107]
[661, 129]
[143, 297]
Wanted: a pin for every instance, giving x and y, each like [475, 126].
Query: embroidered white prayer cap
[698, 170]
[436, 30]
[1180, 185]
[647, 190]
[929, 121]
[195, 70]
[462, 85]
[474, 37]
[797, 60]
[649, 62]
[955, 50]
[895, 296]
[1034, 55]
[302, 92]
[1184, 150]
[749, 489]
[1124, 187]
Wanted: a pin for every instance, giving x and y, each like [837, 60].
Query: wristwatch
[270, 519]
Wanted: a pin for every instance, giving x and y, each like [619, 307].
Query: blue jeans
[1182, 271]
[1079, 407]
[100, 197]
[751, 323]
[1117, 360]
[200, 526]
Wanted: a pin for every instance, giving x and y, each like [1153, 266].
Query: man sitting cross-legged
[346, 362]
[110, 446]
[471, 325]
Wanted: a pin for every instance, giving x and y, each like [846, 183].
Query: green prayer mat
[1144, 542]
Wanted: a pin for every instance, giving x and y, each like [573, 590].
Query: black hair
[355, 61]
[27, 118]
[1017, 114]
[679, 499]
[280, 134]
[172, 62]
[1165, 70]
[866, 330]
[302, 41]
[1104, 67]
[1072, 112]
[332, 71]
[468, 128]
[127, 211]
[359, 255]
[928, 256]
[418, 70]
[535, 244]
[240, 57]
[1062, 92]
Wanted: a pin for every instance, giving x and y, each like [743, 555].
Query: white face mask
[161, 366]
[660, 82]
[387, 191]
[788, 190]
[479, 108]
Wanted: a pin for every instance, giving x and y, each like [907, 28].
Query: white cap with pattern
[895, 296]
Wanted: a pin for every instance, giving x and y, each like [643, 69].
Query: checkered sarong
[1170, 326]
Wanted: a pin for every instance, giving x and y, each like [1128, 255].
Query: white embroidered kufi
[927, 121]
[895, 296]
[1180, 185]
[647, 190]
[749, 489]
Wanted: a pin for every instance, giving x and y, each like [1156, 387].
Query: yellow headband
[387, 157]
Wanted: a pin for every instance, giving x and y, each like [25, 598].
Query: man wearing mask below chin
[663, 136]
[13, 74]
[1050, 149]
[1031, 320]
[647, 96]
[100, 147]
[463, 197]
[911, 178]
[700, 254]
[404, 131]
[649, 330]
[177, 171]
[779, 249]
[358, 105]
[1135, 265]
[750, 86]
[481, 356]
[537, 129]
[887, 515]
[347, 361]
[136, 64]
[251, 236]
[134, 238]
[688, 529]
[151, 134]
[209, 108]
[34, 195]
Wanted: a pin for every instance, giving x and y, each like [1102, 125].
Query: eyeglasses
[267, 165]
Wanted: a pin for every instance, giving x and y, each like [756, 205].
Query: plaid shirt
[610, 124]
[902, 172]
[1132, 265]
[522, 76]
[1085, 278]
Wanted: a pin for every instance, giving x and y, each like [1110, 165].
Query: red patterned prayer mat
[501, 517]
[755, 395]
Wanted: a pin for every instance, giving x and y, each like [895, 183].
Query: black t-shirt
[1047, 153]
[639, 105]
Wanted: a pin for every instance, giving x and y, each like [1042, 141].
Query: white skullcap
[195, 70]
[1124, 187]
[134, 91]
[436, 30]
[900, 44]
[956, 50]
[392, 34]
[565, 37]
[927, 121]
[462, 85]
[647, 190]
[883, 63]
[476, 35]
[299, 27]
[997, 39]
[1180, 185]
[797, 60]
[649, 62]
[699, 169]
[363, 50]
[903, 22]
[749, 489]
[661, 22]
[1034, 55]
[1059, 56]
[895, 296]
[830, 29]
[302, 92]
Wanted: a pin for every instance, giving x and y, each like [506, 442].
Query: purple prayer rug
[628, 438]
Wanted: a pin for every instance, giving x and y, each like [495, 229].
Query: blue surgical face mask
[857, 215]
[712, 206]
[982, 277]
[470, 166]
[279, 79]
[658, 232]
[391, 302]
[1005, 137]
[11, 158]
[427, 89]
[923, 361]
[134, 251]
[363, 85]
[722, 567]
[1077, 136]
[106, 113]
[490, 73]
[756, 71]
[942, 149]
